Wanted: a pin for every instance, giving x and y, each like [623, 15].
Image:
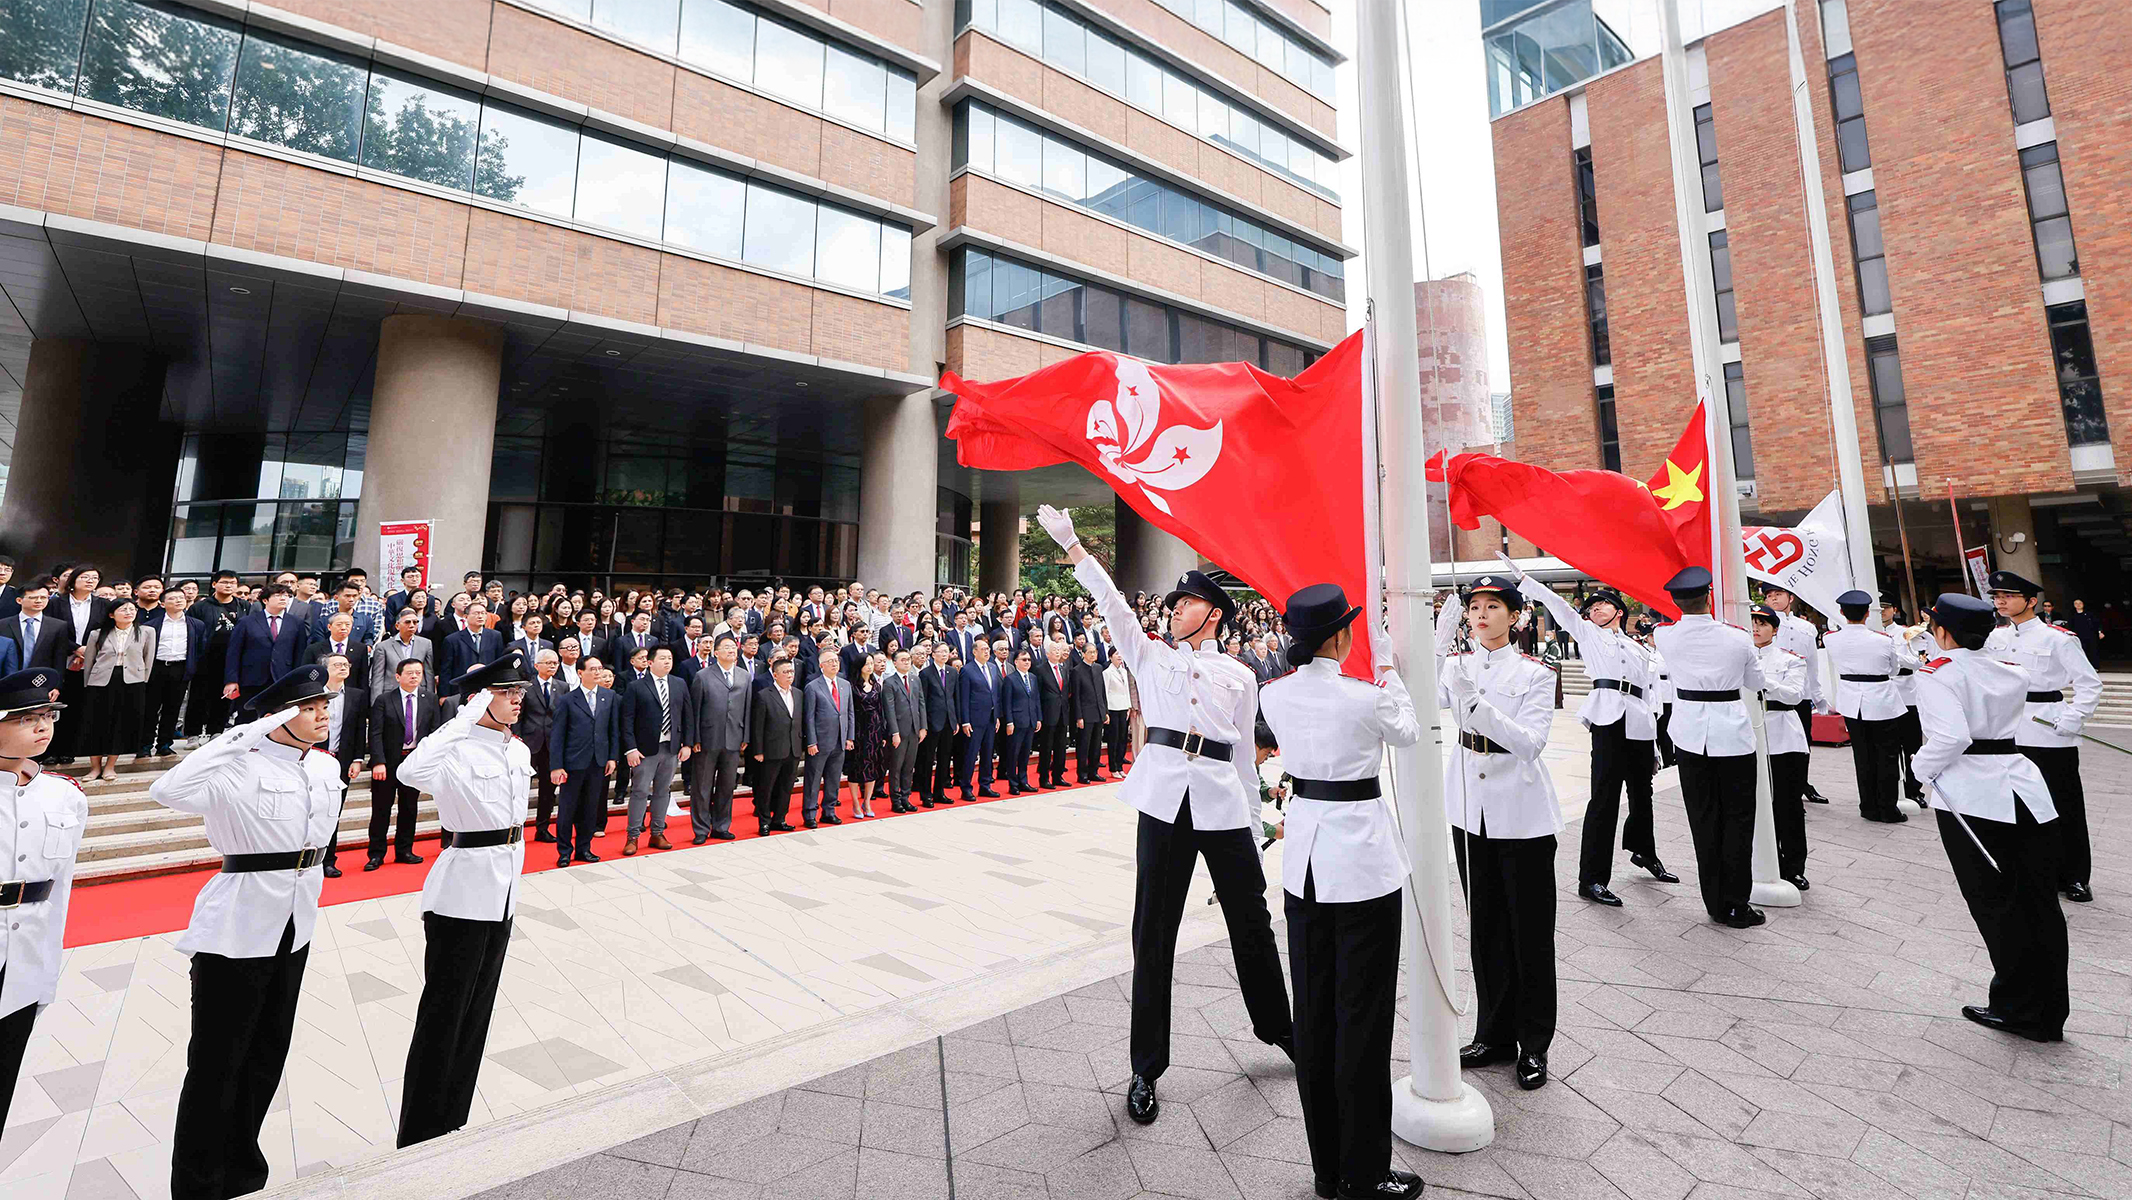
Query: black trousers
[166, 695]
[1666, 754]
[1618, 762]
[1718, 792]
[544, 780]
[1088, 752]
[206, 712]
[1051, 751]
[1909, 739]
[386, 795]
[1344, 961]
[577, 812]
[1787, 802]
[1873, 748]
[14, 1039]
[2016, 910]
[773, 789]
[462, 962]
[1510, 900]
[936, 765]
[2061, 772]
[1117, 737]
[243, 1012]
[1168, 852]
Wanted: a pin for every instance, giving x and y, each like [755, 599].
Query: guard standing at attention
[1713, 664]
[1504, 818]
[1864, 661]
[1197, 792]
[2054, 662]
[1618, 712]
[479, 772]
[1785, 674]
[42, 815]
[1342, 873]
[272, 802]
[1798, 635]
[1993, 799]
[1916, 647]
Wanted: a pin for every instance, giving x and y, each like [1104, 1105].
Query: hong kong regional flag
[1262, 475]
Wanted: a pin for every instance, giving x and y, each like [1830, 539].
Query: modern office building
[1537, 48]
[622, 291]
[1977, 162]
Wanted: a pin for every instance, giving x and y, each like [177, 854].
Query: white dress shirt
[1785, 673]
[259, 797]
[170, 642]
[1962, 697]
[1798, 635]
[1608, 654]
[1509, 699]
[1199, 691]
[479, 777]
[1703, 654]
[79, 612]
[41, 824]
[1857, 649]
[2054, 662]
[1333, 727]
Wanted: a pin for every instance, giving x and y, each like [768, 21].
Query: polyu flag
[1811, 560]
[1264, 476]
[1632, 536]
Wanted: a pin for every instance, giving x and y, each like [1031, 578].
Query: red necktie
[274, 628]
[833, 700]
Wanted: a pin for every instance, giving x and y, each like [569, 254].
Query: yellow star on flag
[1681, 486]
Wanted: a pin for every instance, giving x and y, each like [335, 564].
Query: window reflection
[779, 231]
[297, 98]
[161, 60]
[788, 63]
[855, 88]
[701, 209]
[526, 160]
[40, 41]
[649, 22]
[621, 187]
[847, 249]
[421, 130]
[720, 36]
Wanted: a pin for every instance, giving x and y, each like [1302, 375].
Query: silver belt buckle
[308, 857]
[1192, 744]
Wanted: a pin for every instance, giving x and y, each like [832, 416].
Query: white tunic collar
[281, 750]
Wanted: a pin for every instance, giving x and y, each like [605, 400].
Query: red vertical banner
[403, 544]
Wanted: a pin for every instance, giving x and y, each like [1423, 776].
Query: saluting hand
[1058, 525]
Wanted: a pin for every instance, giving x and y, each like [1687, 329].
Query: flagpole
[1961, 549]
[1728, 562]
[1433, 1107]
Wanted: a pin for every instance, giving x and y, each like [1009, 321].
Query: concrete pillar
[1149, 560]
[94, 464]
[899, 493]
[432, 440]
[999, 539]
[2011, 515]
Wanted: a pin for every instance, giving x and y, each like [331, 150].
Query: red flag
[1633, 536]
[1262, 475]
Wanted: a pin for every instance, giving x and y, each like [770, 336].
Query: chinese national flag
[1262, 475]
[1634, 536]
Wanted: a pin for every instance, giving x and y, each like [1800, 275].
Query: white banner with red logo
[403, 544]
[1810, 560]
[1979, 569]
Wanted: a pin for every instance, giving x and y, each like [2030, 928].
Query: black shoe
[989, 793]
[699, 839]
[832, 819]
[1598, 894]
[1798, 881]
[928, 803]
[563, 860]
[1814, 796]
[1990, 1019]
[1140, 1102]
[587, 856]
[544, 836]
[727, 836]
[332, 872]
[782, 827]
[1655, 867]
[2078, 893]
[373, 864]
[1481, 1054]
[816, 824]
[1532, 1071]
[410, 858]
[1396, 1185]
[1746, 916]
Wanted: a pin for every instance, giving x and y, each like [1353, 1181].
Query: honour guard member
[1342, 874]
[1197, 793]
[42, 816]
[479, 772]
[1864, 661]
[272, 800]
[1712, 665]
[1504, 818]
[1618, 712]
[1798, 635]
[2053, 659]
[1785, 674]
[1995, 817]
[1917, 648]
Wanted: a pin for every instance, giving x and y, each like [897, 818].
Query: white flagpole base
[1773, 893]
[1908, 807]
[1458, 1126]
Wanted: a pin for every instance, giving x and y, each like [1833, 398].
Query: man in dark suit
[529, 641]
[937, 754]
[777, 742]
[399, 720]
[903, 703]
[476, 645]
[656, 724]
[177, 657]
[1052, 735]
[347, 733]
[720, 696]
[10, 594]
[536, 721]
[1021, 722]
[582, 749]
[42, 640]
[896, 635]
[977, 701]
[1087, 710]
[829, 727]
[263, 647]
[410, 582]
[961, 638]
[857, 648]
[338, 637]
[639, 637]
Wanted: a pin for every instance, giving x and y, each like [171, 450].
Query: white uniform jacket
[1333, 727]
[1608, 654]
[479, 777]
[1199, 691]
[259, 797]
[1784, 673]
[1914, 652]
[1798, 635]
[2054, 662]
[1509, 699]
[1860, 650]
[41, 823]
[1707, 655]
[1965, 697]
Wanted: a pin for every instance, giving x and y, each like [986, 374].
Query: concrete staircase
[2115, 709]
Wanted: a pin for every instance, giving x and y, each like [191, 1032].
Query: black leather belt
[1708, 697]
[1194, 745]
[1779, 706]
[1335, 789]
[477, 838]
[1992, 746]
[17, 892]
[1480, 744]
[275, 860]
[1618, 685]
[2045, 697]
[1863, 678]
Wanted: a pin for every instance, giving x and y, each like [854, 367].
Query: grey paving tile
[98, 1180]
[1548, 1178]
[662, 1149]
[73, 1089]
[885, 1173]
[1104, 1173]
[1182, 1171]
[594, 1177]
[1640, 1169]
[903, 1129]
[833, 1178]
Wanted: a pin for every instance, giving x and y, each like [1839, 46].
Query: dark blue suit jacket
[941, 715]
[581, 741]
[465, 648]
[195, 637]
[973, 699]
[640, 714]
[10, 656]
[256, 659]
[1022, 707]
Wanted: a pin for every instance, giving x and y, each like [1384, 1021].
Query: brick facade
[1552, 401]
[99, 170]
[1203, 49]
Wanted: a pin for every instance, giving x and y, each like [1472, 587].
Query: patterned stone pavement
[1820, 1055]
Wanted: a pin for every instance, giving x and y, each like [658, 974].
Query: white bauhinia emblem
[1129, 437]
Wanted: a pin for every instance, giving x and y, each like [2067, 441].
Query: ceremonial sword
[2084, 736]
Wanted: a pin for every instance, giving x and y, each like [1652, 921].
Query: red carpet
[163, 903]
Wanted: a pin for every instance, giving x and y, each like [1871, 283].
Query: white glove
[2068, 726]
[1058, 525]
[473, 708]
[1512, 567]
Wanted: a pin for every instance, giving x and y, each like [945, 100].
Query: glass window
[1065, 171]
[2024, 89]
[2024, 65]
[1198, 339]
[1147, 330]
[979, 152]
[788, 63]
[902, 104]
[719, 36]
[1143, 82]
[1238, 28]
[704, 208]
[1020, 150]
[1885, 374]
[2055, 256]
[1587, 195]
[1180, 102]
[1867, 247]
[1103, 318]
[1728, 327]
[40, 41]
[1851, 146]
[1017, 293]
[1065, 42]
[1106, 64]
[421, 130]
[1848, 104]
[847, 249]
[1244, 133]
[2079, 383]
[647, 22]
[1873, 295]
[526, 160]
[1609, 429]
[1706, 149]
[855, 88]
[1060, 307]
[1021, 25]
[976, 289]
[779, 230]
[1736, 410]
[1595, 307]
[160, 59]
[895, 261]
[620, 187]
[1107, 184]
[1213, 117]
